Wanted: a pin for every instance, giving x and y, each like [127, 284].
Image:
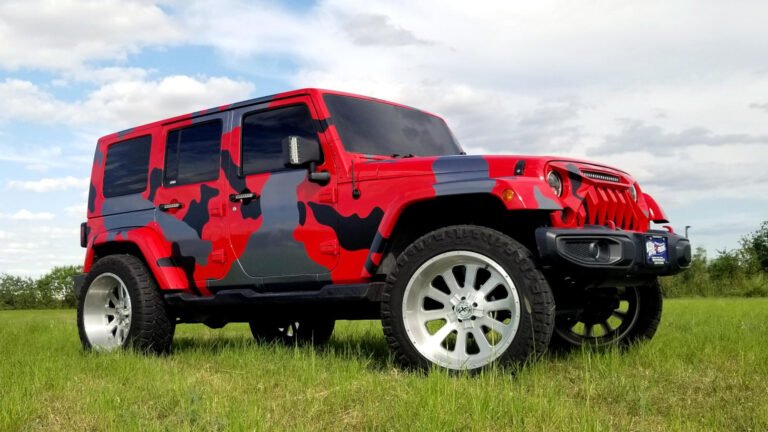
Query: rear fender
[155, 252]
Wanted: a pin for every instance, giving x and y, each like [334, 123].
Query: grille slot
[601, 176]
[604, 204]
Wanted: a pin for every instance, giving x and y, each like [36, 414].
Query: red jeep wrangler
[295, 210]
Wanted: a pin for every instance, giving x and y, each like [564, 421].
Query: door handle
[170, 206]
[245, 196]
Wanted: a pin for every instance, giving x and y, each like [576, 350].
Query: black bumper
[602, 253]
[77, 281]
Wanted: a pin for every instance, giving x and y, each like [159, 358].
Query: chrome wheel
[107, 312]
[461, 310]
[606, 318]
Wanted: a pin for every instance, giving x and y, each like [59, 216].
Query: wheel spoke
[497, 305]
[111, 326]
[489, 285]
[443, 333]
[494, 325]
[606, 328]
[110, 312]
[113, 299]
[450, 281]
[432, 315]
[461, 342]
[437, 295]
[470, 275]
[588, 329]
[482, 342]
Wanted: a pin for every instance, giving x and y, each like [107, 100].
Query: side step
[359, 301]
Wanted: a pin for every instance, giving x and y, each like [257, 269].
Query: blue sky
[674, 92]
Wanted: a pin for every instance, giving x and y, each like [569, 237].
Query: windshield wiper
[398, 155]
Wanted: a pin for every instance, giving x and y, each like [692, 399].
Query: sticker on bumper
[656, 250]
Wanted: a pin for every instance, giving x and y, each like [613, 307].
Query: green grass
[707, 369]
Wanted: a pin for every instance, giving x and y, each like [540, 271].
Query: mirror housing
[298, 151]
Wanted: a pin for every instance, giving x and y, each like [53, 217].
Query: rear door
[190, 205]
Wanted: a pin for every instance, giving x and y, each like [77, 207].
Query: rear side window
[192, 154]
[264, 131]
[126, 168]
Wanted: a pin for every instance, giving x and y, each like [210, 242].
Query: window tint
[192, 154]
[263, 133]
[378, 128]
[125, 171]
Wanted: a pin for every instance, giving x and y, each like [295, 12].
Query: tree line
[737, 272]
[53, 290]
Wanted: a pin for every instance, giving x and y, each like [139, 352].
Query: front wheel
[463, 297]
[608, 317]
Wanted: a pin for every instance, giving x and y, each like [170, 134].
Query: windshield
[378, 128]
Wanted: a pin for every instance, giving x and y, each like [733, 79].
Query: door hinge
[329, 248]
[328, 195]
[216, 209]
[219, 256]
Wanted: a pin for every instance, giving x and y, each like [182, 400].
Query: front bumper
[602, 253]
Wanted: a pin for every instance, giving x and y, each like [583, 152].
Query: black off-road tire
[650, 300]
[151, 327]
[314, 331]
[536, 302]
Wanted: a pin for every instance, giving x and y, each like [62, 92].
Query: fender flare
[155, 251]
[529, 193]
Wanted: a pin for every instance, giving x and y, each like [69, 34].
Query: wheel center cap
[464, 310]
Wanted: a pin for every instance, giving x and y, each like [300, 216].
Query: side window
[264, 131]
[125, 171]
[192, 154]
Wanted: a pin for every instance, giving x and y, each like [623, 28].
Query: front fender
[155, 251]
[656, 214]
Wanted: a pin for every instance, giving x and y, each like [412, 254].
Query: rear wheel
[290, 332]
[121, 306]
[464, 297]
[608, 317]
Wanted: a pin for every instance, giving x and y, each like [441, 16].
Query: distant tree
[755, 248]
[56, 289]
[16, 292]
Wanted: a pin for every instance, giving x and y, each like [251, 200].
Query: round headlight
[633, 192]
[555, 182]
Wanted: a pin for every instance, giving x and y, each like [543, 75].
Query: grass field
[707, 369]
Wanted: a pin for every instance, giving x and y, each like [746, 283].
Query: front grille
[601, 176]
[604, 204]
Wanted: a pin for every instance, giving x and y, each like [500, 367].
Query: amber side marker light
[508, 194]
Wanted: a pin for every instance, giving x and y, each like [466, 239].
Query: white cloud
[120, 104]
[26, 215]
[78, 210]
[49, 184]
[63, 35]
[6, 235]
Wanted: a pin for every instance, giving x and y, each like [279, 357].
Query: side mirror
[298, 151]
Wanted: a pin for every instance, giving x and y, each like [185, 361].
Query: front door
[272, 229]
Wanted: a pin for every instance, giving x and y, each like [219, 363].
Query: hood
[493, 166]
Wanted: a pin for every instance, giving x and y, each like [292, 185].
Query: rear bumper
[78, 281]
[602, 253]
